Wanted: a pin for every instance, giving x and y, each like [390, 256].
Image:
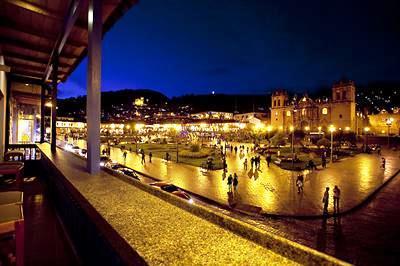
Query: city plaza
[90, 186]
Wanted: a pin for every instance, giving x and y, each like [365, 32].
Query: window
[288, 113]
[337, 95]
[279, 102]
[344, 95]
[303, 111]
[340, 116]
[274, 103]
[324, 111]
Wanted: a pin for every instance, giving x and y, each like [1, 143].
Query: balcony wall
[3, 86]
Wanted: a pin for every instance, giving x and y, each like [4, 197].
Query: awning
[31, 30]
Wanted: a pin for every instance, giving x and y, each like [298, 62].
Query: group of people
[336, 198]
[142, 154]
[233, 181]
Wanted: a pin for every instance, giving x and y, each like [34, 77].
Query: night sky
[247, 46]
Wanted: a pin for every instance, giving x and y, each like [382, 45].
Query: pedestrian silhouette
[325, 200]
[336, 198]
[235, 181]
[230, 183]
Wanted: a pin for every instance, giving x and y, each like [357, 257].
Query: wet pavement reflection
[272, 188]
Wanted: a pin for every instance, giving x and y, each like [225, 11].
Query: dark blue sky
[247, 46]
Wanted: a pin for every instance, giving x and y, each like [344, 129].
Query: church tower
[344, 105]
[279, 102]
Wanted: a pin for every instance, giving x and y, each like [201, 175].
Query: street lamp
[291, 128]
[366, 131]
[332, 129]
[389, 122]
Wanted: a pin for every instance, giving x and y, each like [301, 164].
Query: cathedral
[319, 114]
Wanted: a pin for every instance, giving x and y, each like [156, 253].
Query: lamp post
[389, 122]
[269, 129]
[332, 129]
[366, 130]
[292, 131]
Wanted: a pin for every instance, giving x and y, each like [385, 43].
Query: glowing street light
[291, 128]
[332, 129]
[389, 122]
[366, 132]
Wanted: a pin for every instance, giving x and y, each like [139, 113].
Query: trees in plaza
[323, 142]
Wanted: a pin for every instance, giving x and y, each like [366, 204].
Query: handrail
[30, 151]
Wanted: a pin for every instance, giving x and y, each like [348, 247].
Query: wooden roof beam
[41, 10]
[33, 47]
[7, 24]
[33, 68]
[70, 19]
[27, 58]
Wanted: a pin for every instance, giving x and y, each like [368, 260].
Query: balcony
[109, 220]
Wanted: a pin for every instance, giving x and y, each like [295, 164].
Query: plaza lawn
[160, 150]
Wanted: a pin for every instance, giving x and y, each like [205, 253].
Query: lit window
[276, 113]
[288, 113]
[325, 111]
[303, 111]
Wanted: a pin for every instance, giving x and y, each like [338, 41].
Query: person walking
[269, 159]
[252, 162]
[300, 183]
[167, 156]
[143, 157]
[383, 163]
[245, 164]
[236, 149]
[235, 181]
[323, 161]
[150, 156]
[336, 197]
[379, 150]
[325, 200]
[230, 183]
[124, 155]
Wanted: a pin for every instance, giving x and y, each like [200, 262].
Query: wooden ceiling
[31, 29]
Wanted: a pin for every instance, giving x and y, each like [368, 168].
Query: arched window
[324, 111]
[288, 113]
[303, 111]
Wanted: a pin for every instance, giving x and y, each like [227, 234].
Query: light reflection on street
[272, 188]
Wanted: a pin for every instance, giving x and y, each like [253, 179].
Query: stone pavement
[273, 189]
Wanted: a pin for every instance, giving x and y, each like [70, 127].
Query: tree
[279, 139]
[323, 142]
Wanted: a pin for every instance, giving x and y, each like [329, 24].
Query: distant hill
[110, 101]
[223, 102]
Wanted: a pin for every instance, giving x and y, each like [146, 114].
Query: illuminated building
[305, 112]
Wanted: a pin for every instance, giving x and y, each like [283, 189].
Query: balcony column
[54, 104]
[93, 100]
[7, 117]
[42, 113]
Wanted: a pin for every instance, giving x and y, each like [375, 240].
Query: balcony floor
[45, 240]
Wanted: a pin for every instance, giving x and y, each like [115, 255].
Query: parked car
[170, 188]
[129, 172]
[115, 166]
[104, 160]
[83, 153]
